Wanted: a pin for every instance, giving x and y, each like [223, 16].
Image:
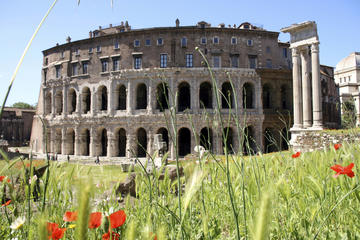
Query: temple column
[316, 87]
[297, 90]
[306, 88]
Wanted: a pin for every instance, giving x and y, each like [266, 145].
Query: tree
[348, 116]
[22, 105]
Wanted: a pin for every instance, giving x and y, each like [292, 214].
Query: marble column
[306, 88]
[316, 87]
[298, 124]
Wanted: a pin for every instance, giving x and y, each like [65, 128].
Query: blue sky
[338, 27]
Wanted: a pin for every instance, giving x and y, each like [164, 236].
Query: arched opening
[205, 95]
[284, 97]
[121, 90]
[103, 98]
[227, 98]
[85, 142]
[141, 96]
[184, 96]
[121, 136]
[70, 141]
[249, 143]
[285, 138]
[142, 142]
[165, 137]
[248, 96]
[72, 101]
[162, 96]
[103, 142]
[86, 100]
[270, 144]
[48, 103]
[266, 96]
[227, 140]
[59, 102]
[58, 141]
[184, 142]
[206, 138]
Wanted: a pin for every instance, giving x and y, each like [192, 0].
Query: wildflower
[95, 220]
[70, 216]
[7, 203]
[18, 223]
[115, 236]
[117, 219]
[3, 177]
[54, 232]
[72, 225]
[296, 155]
[337, 146]
[343, 170]
[28, 165]
[33, 179]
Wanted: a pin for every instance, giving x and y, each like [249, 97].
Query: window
[203, 40]
[233, 40]
[116, 45]
[62, 54]
[160, 42]
[268, 63]
[246, 26]
[184, 42]
[136, 43]
[85, 67]
[104, 65]
[116, 64]
[216, 61]
[268, 49]
[252, 61]
[75, 69]
[98, 48]
[216, 40]
[90, 50]
[189, 60]
[46, 61]
[77, 52]
[96, 34]
[249, 42]
[137, 62]
[58, 71]
[234, 61]
[285, 53]
[45, 73]
[147, 42]
[163, 60]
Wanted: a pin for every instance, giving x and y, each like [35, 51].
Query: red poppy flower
[51, 227]
[95, 220]
[343, 170]
[3, 177]
[296, 155]
[28, 165]
[117, 219]
[58, 233]
[115, 236]
[337, 146]
[7, 203]
[153, 236]
[70, 216]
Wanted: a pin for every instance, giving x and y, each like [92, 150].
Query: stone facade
[107, 95]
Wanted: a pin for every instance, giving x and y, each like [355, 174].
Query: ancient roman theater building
[110, 94]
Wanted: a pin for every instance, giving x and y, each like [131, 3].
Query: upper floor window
[189, 60]
[250, 42]
[116, 64]
[252, 61]
[268, 49]
[137, 62]
[147, 42]
[203, 40]
[104, 65]
[77, 52]
[233, 40]
[85, 67]
[234, 59]
[285, 52]
[136, 43]
[75, 69]
[216, 61]
[96, 34]
[58, 71]
[62, 54]
[184, 42]
[90, 50]
[116, 45]
[163, 60]
[268, 63]
[216, 40]
[160, 41]
[98, 48]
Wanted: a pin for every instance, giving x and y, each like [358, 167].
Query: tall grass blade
[263, 218]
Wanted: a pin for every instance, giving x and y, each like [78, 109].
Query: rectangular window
[183, 42]
[147, 42]
[137, 62]
[104, 65]
[234, 61]
[75, 69]
[77, 52]
[90, 50]
[189, 60]
[203, 40]
[85, 67]
[285, 53]
[116, 45]
[136, 43]
[98, 48]
[57, 71]
[116, 64]
[233, 41]
[252, 61]
[216, 61]
[249, 42]
[268, 63]
[163, 60]
[62, 54]
[215, 40]
[268, 49]
[160, 42]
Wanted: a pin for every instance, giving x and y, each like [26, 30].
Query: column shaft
[316, 86]
[297, 90]
[306, 88]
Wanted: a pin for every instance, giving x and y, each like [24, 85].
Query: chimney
[177, 22]
[68, 39]
[110, 25]
[90, 34]
[99, 27]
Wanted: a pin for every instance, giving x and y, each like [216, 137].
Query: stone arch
[70, 141]
[58, 141]
[102, 98]
[248, 96]
[71, 101]
[86, 100]
[285, 97]
[121, 97]
[103, 142]
[270, 143]
[85, 142]
[205, 95]
[48, 103]
[285, 138]
[227, 95]
[184, 98]
[267, 96]
[249, 143]
[58, 102]
[141, 96]
[165, 136]
[121, 142]
[184, 142]
[228, 140]
[141, 142]
[206, 138]
[162, 96]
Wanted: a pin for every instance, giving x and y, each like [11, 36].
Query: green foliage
[22, 105]
[348, 116]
